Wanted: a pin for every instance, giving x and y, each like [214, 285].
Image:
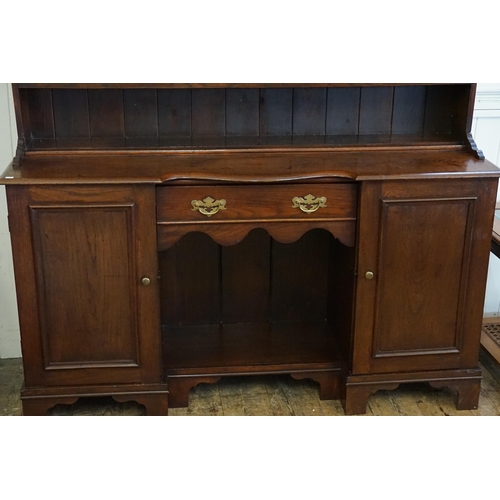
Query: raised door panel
[95, 322]
[426, 243]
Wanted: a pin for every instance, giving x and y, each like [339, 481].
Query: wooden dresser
[172, 234]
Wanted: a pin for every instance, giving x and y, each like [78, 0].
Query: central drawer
[251, 203]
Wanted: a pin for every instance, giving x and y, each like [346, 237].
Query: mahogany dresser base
[168, 235]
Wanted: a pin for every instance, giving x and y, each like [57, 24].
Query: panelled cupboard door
[422, 265]
[80, 254]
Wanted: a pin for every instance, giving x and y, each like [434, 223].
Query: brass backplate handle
[208, 206]
[309, 203]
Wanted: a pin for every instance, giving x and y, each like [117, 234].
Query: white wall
[485, 129]
[486, 132]
[9, 326]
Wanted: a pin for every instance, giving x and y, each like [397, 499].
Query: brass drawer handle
[309, 203]
[208, 206]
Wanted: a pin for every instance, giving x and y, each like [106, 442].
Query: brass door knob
[369, 275]
[145, 281]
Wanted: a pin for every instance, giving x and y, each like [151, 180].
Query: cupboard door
[426, 245]
[80, 254]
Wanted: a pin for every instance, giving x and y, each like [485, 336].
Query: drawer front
[225, 203]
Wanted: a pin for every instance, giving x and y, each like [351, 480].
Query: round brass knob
[369, 275]
[145, 281]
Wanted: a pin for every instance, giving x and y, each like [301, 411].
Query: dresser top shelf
[214, 167]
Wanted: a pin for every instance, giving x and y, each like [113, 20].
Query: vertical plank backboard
[208, 112]
[174, 112]
[106, 113]
[141, 113]
[242, 112]
[409, 110]
[375, 114]
[343, 111]
[41, 118]
[276, 112]
[309, 111]
[71, 112]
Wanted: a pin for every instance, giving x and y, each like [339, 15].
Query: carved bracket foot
[329, 382]
[179, 387]
[155, 404]
[37, 407]
[356, 396]
[467, 392]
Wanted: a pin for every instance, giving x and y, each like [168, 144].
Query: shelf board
[238, 142]
[250, 347]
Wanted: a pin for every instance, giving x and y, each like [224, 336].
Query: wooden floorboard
[278, 395]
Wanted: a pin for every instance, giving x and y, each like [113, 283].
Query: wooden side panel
[85, 263]
[299, 281]
[141, 113]
[309, 111]
[190, 281]
[79, 255]
[242, 112]
[343, 111]
[106, 113]
[71, 113]
[276, 112]
[409, 110]
[246, 279]
[208, 112]
[376, 110]
[174, 112]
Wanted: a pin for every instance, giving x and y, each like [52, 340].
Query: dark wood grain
[71, 113]
[309, 111]
[409, 110]
[242, 112]
[140, 112]
[208, 112]
[245, 279]
[174, 111]
[343, 111]
[276, 112]
[190, 281]
[106, 113]
[375, 114]
[39, 118]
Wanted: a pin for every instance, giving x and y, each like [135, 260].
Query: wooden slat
[174, 112]
[41, 117]
[409, 110]
[71, 113]
[376, 110]
[242, 112]
[300, 295]
[309, 111]
[438, 111]
[276, 112]
[141, 113]
[106, 113]
[190, 281]
[246, 279]
[208, 112]
[343, 111]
